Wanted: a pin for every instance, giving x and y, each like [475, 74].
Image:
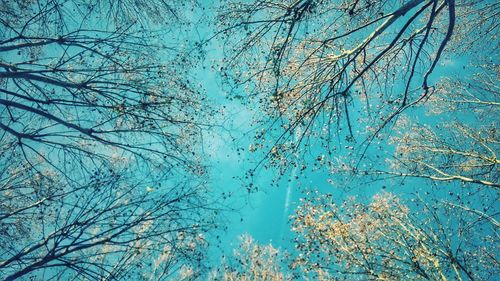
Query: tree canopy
[102, 172]
[376, 120]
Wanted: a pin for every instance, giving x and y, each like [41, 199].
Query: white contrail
[288, 197]
[289, 192]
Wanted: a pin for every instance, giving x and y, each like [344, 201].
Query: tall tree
[320, 69]
[463, 146]
[100, 130]
[84, 82]
[111, 227]
[252, 261]
[388, 239]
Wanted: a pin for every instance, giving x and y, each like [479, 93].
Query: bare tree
[252, 261]
[465, 154]
[100, 126]
[78, 86]
[387, 239]
[463, 147]
[112, 227]
[320, 69]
